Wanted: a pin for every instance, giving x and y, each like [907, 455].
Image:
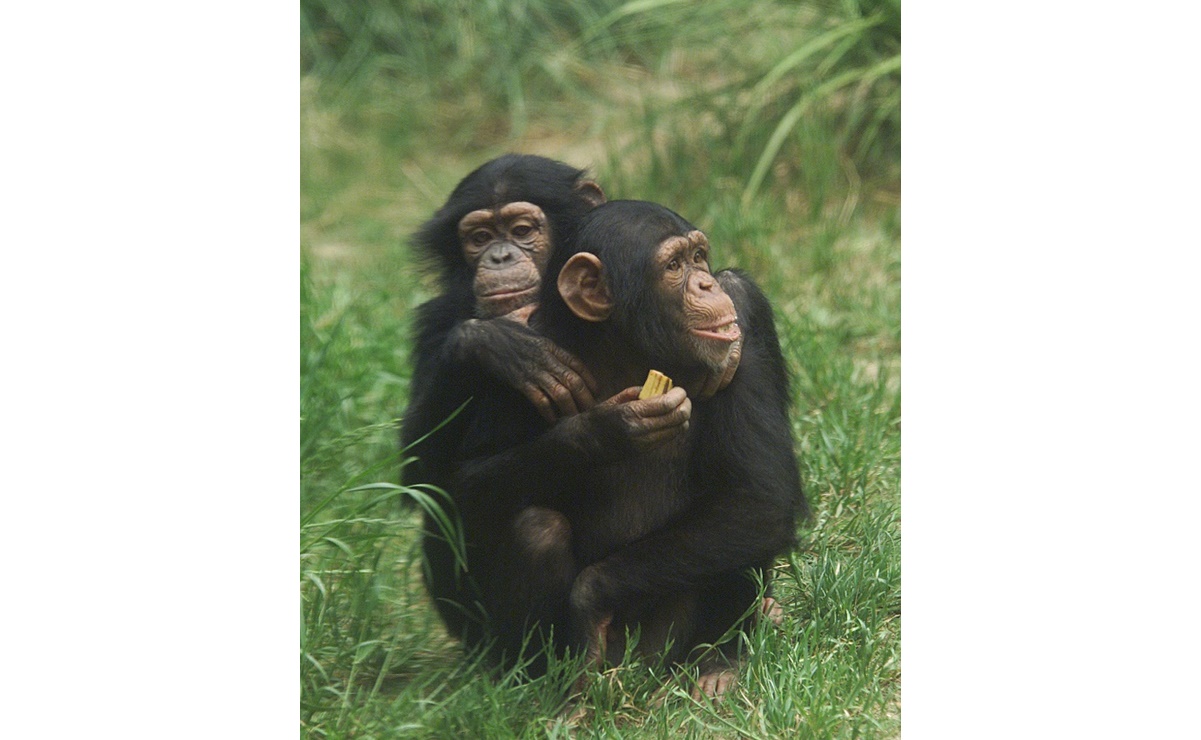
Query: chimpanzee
[654, 514]
[491, 242]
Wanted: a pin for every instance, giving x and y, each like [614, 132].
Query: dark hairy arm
[554, 380]
[457, 357]
[546, 465]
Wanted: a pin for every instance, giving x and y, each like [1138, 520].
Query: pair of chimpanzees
[586, 514]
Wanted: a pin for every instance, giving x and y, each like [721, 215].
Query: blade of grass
[789, 121]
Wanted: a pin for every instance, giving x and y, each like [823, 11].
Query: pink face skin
[708, 313]
[508, 247]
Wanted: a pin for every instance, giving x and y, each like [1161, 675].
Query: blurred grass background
[775, 127]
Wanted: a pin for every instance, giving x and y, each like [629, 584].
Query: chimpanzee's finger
[660, 405]
[542, 402]
[561, 397]
[577, 367]
[577, 386]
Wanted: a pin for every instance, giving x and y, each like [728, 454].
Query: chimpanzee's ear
[582, 285]
[590, 192]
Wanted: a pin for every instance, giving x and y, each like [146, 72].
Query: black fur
[440, 383]
[445, 375]
[673, 537]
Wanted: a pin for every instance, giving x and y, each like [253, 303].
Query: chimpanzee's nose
[500, 254]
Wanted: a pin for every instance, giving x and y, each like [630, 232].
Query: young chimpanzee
[491, 242]
[653, 514]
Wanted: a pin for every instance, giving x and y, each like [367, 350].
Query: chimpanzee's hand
[554, 380]
[648, 423]
[716, 381]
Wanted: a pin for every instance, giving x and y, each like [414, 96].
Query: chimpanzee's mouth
[501, 295]
[724, 332]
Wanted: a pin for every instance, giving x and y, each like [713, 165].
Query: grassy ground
[725, 119]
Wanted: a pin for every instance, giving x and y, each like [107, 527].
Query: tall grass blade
[789, 121]
[759, 93]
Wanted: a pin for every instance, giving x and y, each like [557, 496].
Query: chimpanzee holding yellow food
[661, 514]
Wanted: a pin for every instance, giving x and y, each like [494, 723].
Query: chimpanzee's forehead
[631, 233]
[491, 216]
[694, 238]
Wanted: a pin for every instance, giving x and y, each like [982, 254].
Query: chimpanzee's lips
[727, 331]
[511, 293]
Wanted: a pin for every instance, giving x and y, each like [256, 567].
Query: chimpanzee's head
[643, 271]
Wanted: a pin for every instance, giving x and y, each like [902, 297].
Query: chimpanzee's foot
[771, 609]
[714, 683]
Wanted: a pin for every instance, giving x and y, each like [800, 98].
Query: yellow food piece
[656, 385]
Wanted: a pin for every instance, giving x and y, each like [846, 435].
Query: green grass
[679, 113]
